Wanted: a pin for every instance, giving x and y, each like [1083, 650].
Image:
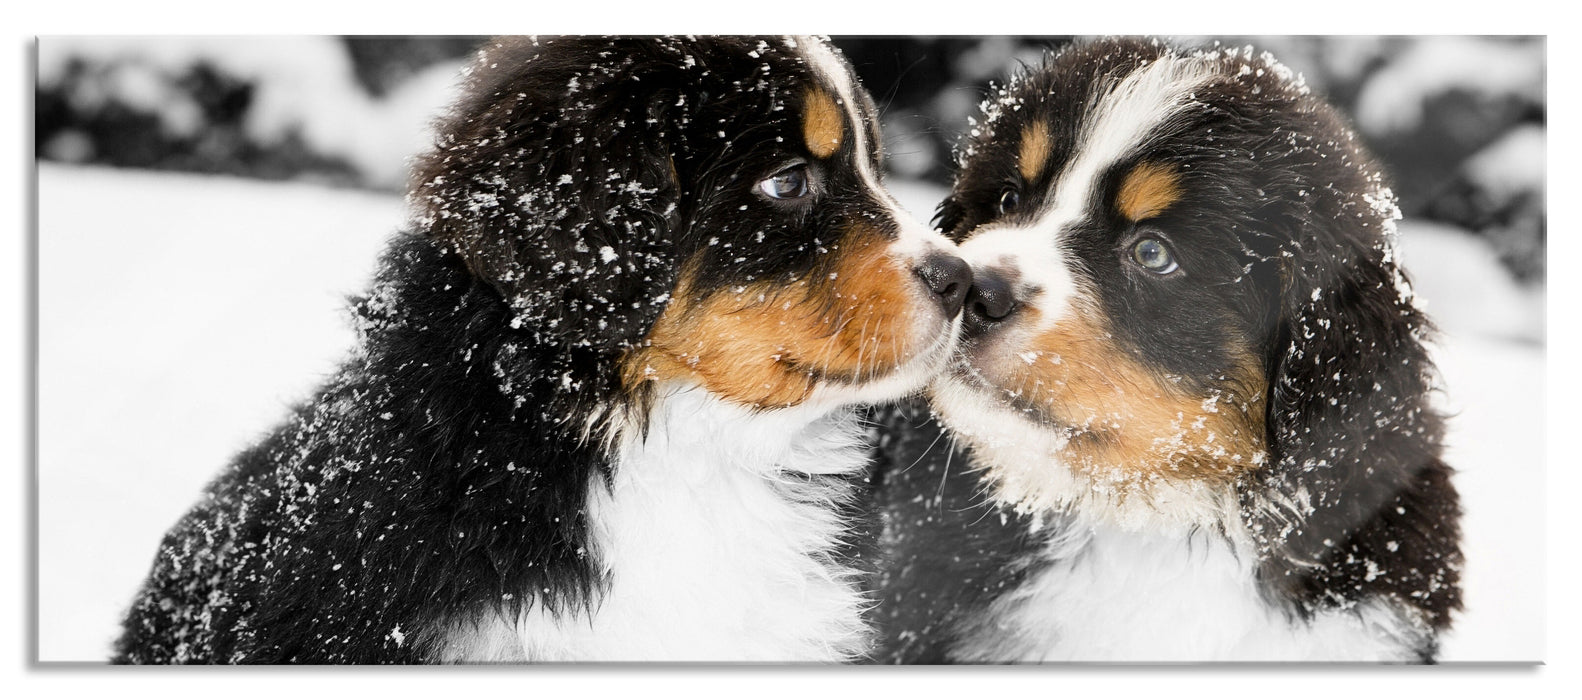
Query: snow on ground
[180, 316]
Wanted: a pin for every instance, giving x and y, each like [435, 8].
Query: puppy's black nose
[948, 277]
[989, 303]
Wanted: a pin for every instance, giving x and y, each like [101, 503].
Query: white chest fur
[716, 542]
[1116, 595]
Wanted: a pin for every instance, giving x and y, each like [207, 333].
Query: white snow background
[180, 316]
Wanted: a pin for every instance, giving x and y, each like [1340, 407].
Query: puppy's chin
[972, 408]
[936, 344]
[1018, 450]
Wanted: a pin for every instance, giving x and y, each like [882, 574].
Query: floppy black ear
[552, 178]
[1354, 481]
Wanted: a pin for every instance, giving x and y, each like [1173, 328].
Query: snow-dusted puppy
[1191, 419]
[602, 405]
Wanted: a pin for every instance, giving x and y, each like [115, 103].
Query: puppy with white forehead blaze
[603, 406]
[1191, 419]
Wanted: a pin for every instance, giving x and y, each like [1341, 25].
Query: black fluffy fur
[386, 501]
[1289, 259]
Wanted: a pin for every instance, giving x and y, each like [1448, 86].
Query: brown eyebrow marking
[822, 125]
[1148, 190]
[1034, 152]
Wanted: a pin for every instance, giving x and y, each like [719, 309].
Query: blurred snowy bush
[347, 111]
[1459, 121]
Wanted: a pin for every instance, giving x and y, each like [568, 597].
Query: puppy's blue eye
[1154, 256]
[790, 183]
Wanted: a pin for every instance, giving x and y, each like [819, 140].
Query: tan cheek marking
[769, 345]
[873, 293]
[1127, 420]
[1034, 152]
[822, 123]
[1148, 190]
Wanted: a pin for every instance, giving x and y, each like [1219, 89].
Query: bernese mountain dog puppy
[1191, 419]
[603, 404]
